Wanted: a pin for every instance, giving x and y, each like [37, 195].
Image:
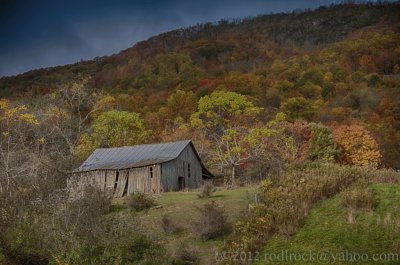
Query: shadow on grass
[218, 196]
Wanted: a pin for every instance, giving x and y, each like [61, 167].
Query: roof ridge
[137, 145]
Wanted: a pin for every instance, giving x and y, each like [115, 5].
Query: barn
[150, 168]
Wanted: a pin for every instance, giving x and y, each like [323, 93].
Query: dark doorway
[181, 183]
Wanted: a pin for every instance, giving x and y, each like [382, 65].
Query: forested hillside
[335, 65]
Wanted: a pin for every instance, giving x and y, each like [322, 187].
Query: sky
[42, 33]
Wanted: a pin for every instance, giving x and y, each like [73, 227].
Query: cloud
[46, 33]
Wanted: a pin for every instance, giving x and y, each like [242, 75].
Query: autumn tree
[226, 118]
[16, 140]
[171, 69]
[114, 129]
[298, 107]
[358, 146]
[272, 145]
[70, 109]
[181, 104]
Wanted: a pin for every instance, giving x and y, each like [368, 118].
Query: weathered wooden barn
[150, 168]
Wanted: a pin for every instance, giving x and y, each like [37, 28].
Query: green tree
[298, 107]
[181, 104]
[171, 69]
[114, 129]
[314, 75]
[226, 118]
[322, 146]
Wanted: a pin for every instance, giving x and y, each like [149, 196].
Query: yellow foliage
[358, 146]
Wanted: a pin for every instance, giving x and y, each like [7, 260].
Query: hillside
[343, 59]
[327, 233]
[238, 45]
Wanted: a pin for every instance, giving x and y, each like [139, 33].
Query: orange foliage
[301, 132]
[358, 146]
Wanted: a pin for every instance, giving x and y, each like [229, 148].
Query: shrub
[285, 203]
[140, 201]
[357, 197]
[186, 255]
[169, 226]
[206, 190]
[211, 223]
[385, 176]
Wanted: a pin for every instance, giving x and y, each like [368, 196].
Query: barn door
[181, 183]
[120, 183]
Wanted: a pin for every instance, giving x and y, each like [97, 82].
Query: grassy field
[181, 208]
[327, 234]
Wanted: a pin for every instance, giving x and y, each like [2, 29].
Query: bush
[169, 226]
[206, 190]
[285, 203]
[385, 176]
[211, 223]
[357, 198]
[140, 201]
[186, 255]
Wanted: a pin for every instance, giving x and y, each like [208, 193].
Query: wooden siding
[140, 179]
[119, 183]
[178, 167]
[149, 179]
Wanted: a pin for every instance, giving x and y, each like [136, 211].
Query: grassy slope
[181, 208]
[326, 230]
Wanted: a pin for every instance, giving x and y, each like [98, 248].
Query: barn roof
[135, 156]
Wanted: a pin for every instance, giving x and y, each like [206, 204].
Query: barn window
[188, 169]
[151, 172]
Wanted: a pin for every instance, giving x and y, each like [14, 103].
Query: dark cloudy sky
[41, 33]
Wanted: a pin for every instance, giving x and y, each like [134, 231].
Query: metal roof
[133, 156]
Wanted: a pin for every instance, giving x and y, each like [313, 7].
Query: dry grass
[180, 207]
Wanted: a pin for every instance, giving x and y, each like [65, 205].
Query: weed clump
[169, 226]
[211, 223]
[206, 190]
[140, 201]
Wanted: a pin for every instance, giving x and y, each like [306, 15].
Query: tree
[114, 129]
[181, 104]
[314, 75]
[284, 86]
[70, 109]
[323, 146]
[298, 107]
[357, 144]
[17, 139]
[167, 70]
[271, 144]
[309, 90]
[105, 103]
[226, 118]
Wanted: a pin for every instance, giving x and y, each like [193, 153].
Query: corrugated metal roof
[133, 156]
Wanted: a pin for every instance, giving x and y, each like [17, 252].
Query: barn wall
[179, 168]
[140, 179]
[77, 183]
[135, 179]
